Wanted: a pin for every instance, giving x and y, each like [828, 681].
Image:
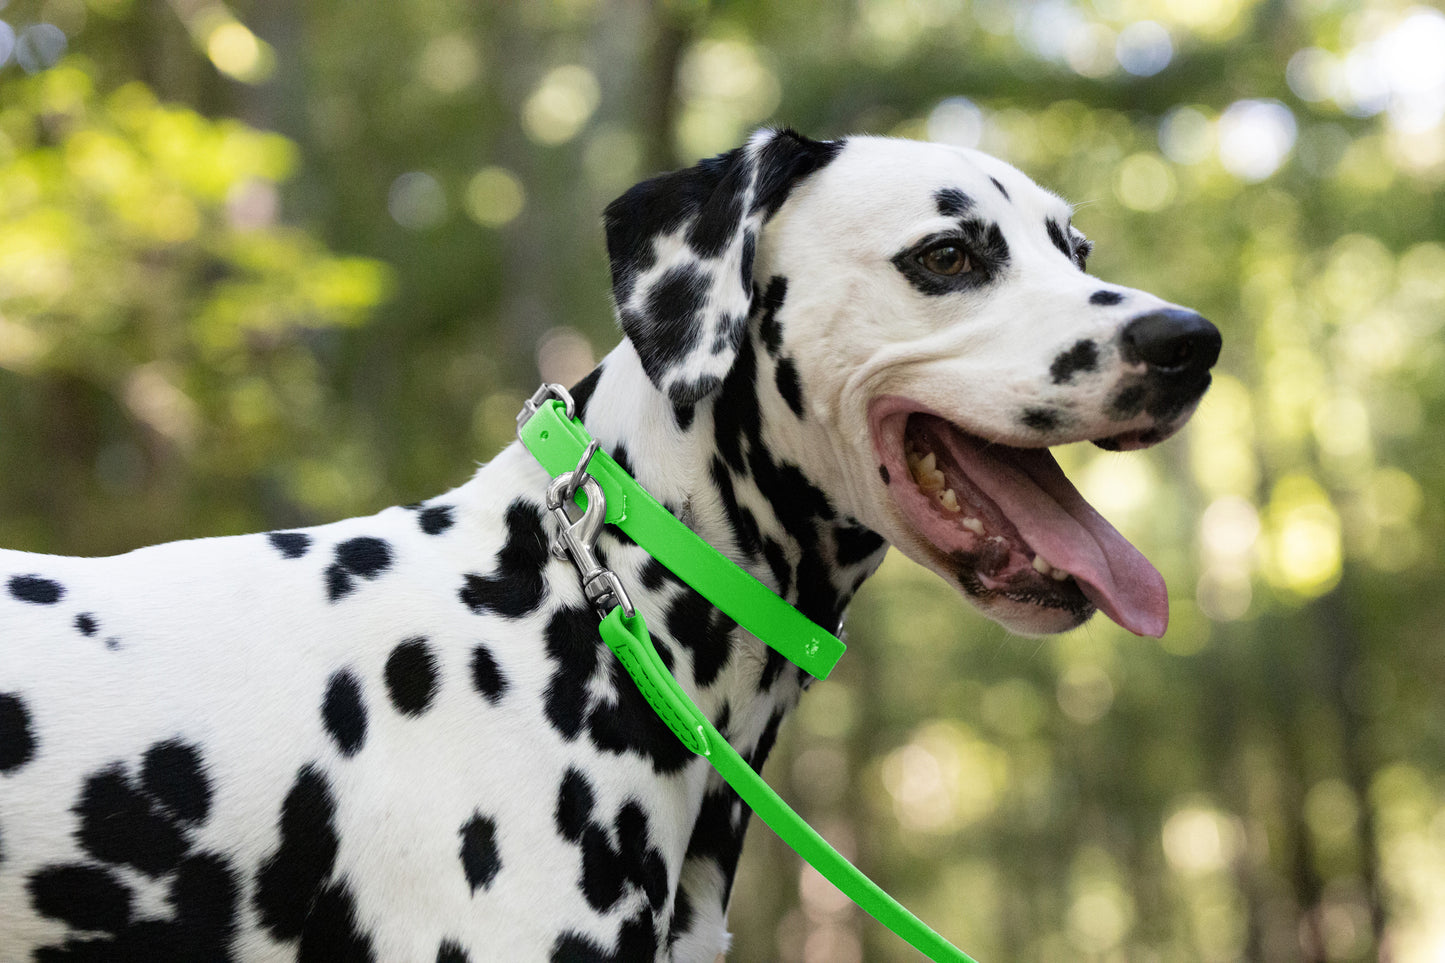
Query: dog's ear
[681, 247]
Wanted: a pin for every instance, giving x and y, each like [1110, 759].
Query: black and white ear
[682, 246]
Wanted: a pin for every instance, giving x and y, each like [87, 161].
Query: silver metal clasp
[578, 536]
[547, 390]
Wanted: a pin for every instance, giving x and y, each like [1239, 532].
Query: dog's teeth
[932, 481]
[949, 501]
[1058, 575]
[928, 463]
[1042, 566]
[973, 525]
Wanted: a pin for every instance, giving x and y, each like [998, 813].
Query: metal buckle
[578, 537]
[547, 390]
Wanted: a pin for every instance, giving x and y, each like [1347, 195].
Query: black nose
[1173, 342]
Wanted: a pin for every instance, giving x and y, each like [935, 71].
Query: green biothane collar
[558, 442]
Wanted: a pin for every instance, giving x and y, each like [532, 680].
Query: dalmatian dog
[400, 738]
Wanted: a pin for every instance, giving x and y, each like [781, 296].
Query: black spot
[953, 202]
[411, 676]
[33, 588]
[856, 543]
[85, 897]
[173, 775]
[1106, 297]
[480, 860]
[487, 676]
[1083, 356]
[17, 740]
[112, 643]
[119, 824]
[773, 667]
[575, 800]
[637, 940]
[343, 713]
[683, 414]
[682, 916]
[642, 863]
[572, 642]
[750, 247]
[789, 386]
[716, 835]
[1040, 419]
[364, 556]
[583, 390]
[517, 587]
[669, 327]
[883, 474]
[290, 544]
[1058, 238]
[769, 329]
[693, 622]
[86, 625]
[777, 558]
[1000, 187]
[744, 524]
[436, 519]
[786, 159]
[631, 725]
[291, 878]
[451, 951]
[1128, 402]
[331, 934]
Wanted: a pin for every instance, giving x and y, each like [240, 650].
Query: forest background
[269, 263]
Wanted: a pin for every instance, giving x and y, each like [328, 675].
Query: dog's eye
[946, 259]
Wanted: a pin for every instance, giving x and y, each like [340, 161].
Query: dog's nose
[1173, 342]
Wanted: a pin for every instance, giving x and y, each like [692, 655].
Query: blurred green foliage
[198, 336]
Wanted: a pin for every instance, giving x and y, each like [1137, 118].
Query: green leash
[549, 429]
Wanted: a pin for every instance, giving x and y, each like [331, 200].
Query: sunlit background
[274, 263]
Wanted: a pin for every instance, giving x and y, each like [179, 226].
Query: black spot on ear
[785, 160]
[1040, 419]
[883, 474]
[517, 587]
[289, 881]
[37, 590]
[1056, 235]
[343, 713]
[769, 329]
[750, 248]
[119, 824]
[487, 676]
[85, 897]
[436, 519]
[452, 952]
[86, 625]
[575, 800]
[290, 544]
[411, 676]
[952, 202]
[480, 859]
[1083, 356]
[173, 775]
[789, 386]
[1105, 297]
[1000, 187]
[683, 414]
[17, 740]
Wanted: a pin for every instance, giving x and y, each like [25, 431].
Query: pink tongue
[1031, 490]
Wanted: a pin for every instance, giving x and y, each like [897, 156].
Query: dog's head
[928, 326]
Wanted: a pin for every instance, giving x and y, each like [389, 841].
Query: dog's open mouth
[1008, 524]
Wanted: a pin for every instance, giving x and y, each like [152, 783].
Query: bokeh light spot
[495, 197]
[1144, 48]
[416, 201]
[39, 47]
[1255, 137]
[1144, 182]
[561, 105]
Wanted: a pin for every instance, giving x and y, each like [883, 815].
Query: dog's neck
[717, 466]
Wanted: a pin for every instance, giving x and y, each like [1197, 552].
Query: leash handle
[629, 639]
